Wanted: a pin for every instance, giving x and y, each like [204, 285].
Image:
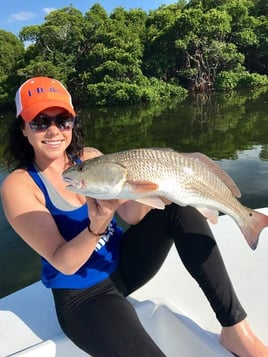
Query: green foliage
[120, 93]
[40, 68]
[30, 33]
[11, 56]
[227, 80]
[130, 56]
[252, 80]
[54, 44]
[240, 79]
[11, 51]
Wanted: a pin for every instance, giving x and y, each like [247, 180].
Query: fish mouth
[73, 183]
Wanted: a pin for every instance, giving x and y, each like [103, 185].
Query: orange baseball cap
[40, 93]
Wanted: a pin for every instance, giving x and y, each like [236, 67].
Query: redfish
[149, 175]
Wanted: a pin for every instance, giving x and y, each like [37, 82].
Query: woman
[87, 261]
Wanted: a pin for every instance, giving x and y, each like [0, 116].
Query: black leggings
[102, 322]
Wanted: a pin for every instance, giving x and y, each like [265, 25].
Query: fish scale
[147, 175]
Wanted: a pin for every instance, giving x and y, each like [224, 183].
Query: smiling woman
[44, 108]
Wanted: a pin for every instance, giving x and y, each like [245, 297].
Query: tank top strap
[53, 198]
[77, 160]
[37, 179]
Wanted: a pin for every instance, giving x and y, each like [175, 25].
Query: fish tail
[251, 231]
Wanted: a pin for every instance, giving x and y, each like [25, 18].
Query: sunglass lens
[40, 123]
[64, 121]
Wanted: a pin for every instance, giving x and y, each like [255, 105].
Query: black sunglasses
[42, 122]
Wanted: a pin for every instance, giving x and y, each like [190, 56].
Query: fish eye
[80, 167]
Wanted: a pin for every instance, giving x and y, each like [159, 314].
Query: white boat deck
[171, 306]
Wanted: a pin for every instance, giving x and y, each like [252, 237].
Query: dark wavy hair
[19, 152]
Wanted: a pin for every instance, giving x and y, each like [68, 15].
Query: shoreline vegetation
[133, 57]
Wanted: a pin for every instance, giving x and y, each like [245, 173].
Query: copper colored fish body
[187, 179]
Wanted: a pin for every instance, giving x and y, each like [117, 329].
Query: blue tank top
[70, 222]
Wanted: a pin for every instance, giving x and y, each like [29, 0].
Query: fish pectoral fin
[142, 186]
[152, 201]
[210, 214]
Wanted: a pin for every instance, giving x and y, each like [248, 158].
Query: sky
[16, 14]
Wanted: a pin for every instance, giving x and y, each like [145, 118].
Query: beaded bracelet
[93, 233]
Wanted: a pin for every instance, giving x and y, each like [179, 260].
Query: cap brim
[28, 114]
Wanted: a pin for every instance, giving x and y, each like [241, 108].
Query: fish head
[93, 178]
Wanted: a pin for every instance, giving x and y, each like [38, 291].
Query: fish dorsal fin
[160, 148]
[217, 170]
[152, 201]
[142, 186]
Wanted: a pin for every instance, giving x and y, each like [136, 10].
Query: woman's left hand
[101, 213]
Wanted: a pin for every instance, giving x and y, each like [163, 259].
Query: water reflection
[217, 125]
[231, 128]
[250, 172]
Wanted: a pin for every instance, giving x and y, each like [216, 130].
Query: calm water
[232, 129]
